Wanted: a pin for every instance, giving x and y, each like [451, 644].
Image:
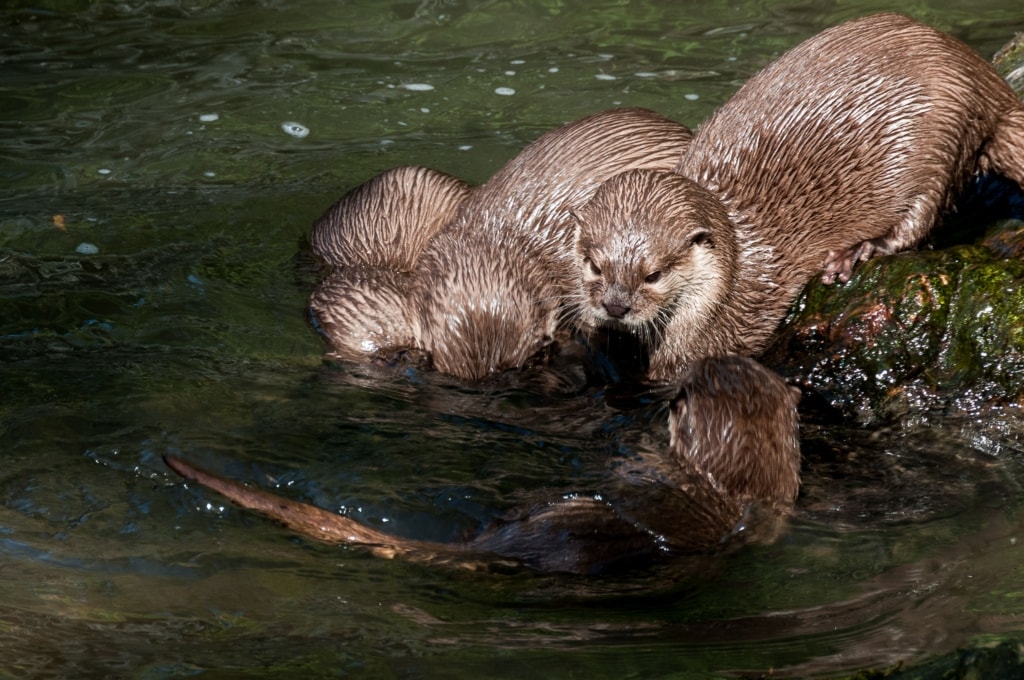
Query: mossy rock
[1009, 61]
[914, 333]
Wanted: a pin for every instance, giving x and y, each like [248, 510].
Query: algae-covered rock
[914, 333]
[1009, 61]
[920, 332]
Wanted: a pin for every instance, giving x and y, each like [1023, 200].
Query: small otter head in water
[737, 421]
[363, 312]
[652, 247]
[482, 309]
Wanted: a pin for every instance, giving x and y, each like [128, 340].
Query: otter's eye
[594, 269]
[652, 277]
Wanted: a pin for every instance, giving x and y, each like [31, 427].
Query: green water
[148, 136]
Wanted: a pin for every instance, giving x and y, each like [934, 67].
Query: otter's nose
[615, 311]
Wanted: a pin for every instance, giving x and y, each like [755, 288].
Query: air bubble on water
[295, 129]
[465, 147]
[208, 117]
[104, 171]
[692, 96]
[605, 76]
[417, 87]
[504, 91]
[85, 248]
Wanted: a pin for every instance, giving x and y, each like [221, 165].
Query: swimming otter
[848, 146]
[734, 448]
[486, 293]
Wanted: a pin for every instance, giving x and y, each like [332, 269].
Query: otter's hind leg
[918, 219]
[1004, 153]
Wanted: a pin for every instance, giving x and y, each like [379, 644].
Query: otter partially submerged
[373, 237]
[849, 146]
[734, 449]
[486, 292]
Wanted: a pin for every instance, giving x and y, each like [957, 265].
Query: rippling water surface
[156, 186]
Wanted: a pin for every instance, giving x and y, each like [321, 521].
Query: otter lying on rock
[734, 448]
[485, 293]
[850, 145]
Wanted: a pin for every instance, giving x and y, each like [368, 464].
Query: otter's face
[632, 277]
[652, 248]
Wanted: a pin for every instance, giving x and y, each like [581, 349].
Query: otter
[734, 454]
[372, 237]
[849, 146]
[487, 292]
[386, 222]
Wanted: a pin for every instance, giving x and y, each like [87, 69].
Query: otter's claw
[839, 264]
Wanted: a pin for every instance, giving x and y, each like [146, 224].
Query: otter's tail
[306, 519]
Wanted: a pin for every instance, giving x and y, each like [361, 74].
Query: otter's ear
[700, 236]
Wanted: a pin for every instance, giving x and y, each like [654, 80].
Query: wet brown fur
[851, 145]
[373, 236]
[732, 410]
[386, 222]
[734, 451]
[487, 292]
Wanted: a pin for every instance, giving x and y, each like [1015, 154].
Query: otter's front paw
[839, 264]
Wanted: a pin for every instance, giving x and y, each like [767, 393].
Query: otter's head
[652, 246]
[737, 421]
[363, 312]
[483, 309]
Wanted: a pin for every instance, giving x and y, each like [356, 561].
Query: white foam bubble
[85, 248]
[209, 117]
[418, 87]
[692, 96]
[294, 129]
[504, 91]
[605, 76]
